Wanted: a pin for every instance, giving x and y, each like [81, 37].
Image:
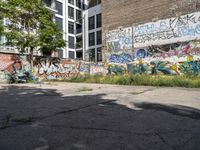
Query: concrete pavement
[72, 116]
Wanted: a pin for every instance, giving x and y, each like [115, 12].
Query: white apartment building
[68, 16]
[81, 26]
[93, 32]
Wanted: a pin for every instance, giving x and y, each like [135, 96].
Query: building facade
[80, 21]
[93, 31]
[125, 13]
[68, 16]
[137, 19]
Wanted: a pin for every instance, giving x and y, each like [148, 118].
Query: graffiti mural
[116, 69]
[141, 53]
[98, 69]
[178, 29]
[179, 58]
[54, 68]
[15, 66]
[120, 39]
[84, 68]
[120, 58]
[3, 77]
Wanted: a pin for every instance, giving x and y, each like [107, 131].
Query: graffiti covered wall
[120, 39]
[180, 58]
[10, 63]
[55, 68]
[177, 29]
[167, 46]
[170, 47]
[120, 45]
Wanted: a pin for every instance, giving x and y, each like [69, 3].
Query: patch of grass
[142, 79]
[136, 92]
[84, 89]
[140, 92]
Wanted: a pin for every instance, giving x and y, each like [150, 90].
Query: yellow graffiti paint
[190, 58]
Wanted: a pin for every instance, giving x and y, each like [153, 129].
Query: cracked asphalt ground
[70, 116]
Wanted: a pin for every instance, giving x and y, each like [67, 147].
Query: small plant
[140, 92]
[84, 89]
[136, 92]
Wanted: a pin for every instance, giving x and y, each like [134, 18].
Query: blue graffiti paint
[116, 70]
[151, 28]
[141, 53]
[188, 31]
[120, 58]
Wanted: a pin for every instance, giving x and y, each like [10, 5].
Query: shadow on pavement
[44, 119]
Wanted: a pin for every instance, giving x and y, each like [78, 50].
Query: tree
[30, 25]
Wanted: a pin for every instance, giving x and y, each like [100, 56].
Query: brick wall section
[7, 60]
[127, 12]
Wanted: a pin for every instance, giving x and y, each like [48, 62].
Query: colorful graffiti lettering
[56, 69]
[117, 69]
[84, 68]
[190, 68]
[98, 69]
[120, 58]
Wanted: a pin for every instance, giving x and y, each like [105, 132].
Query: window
[78, 28]
[71, 2]
[71, 42]
[93, 3]
[71, 27]
[60, 53]
[78, 15]
[91, 39]
[71, 12]
[84, 6]
[78, 3]
[71, 54]
[99, 23]
[79, 42]
[92, 54]
[91, 23]
[99, 38]
[99, 54]
[59, 7]
[59, 22]
[79, 55]
[48, 3]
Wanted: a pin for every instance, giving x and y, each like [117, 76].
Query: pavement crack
[164, 141]
[161, 138]
[23, 121]
[101, 129]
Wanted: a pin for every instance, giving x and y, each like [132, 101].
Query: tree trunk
[31, 58]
